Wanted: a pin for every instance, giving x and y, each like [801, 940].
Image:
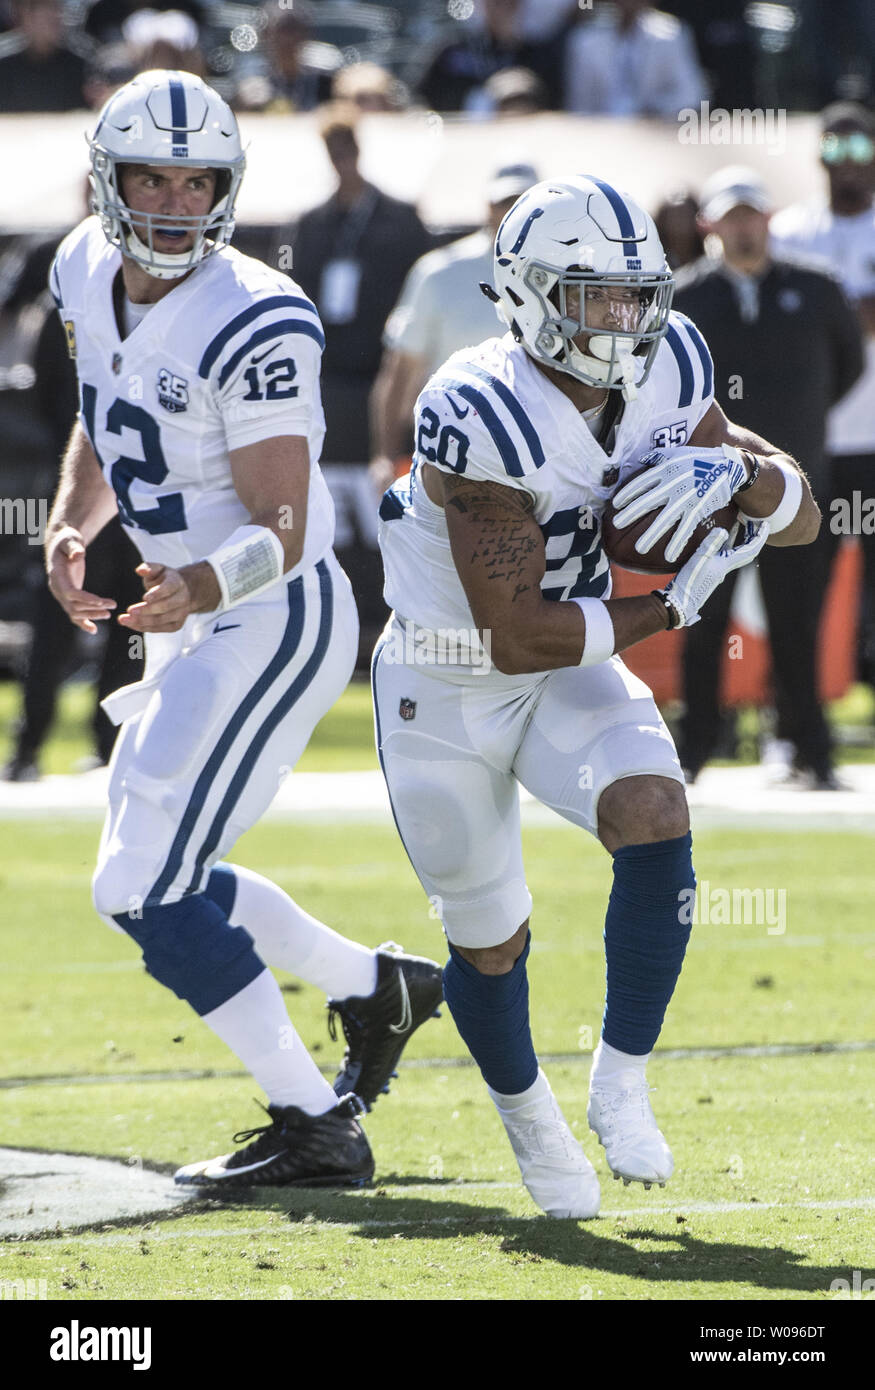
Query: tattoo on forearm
[501, 518]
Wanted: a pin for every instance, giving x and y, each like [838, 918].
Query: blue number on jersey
[169, 513]
[276, 379]
[450, 441]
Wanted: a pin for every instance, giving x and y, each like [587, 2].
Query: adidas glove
[693, 585]
[686, 485]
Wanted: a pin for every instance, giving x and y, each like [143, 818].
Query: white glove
[709, 566]
[687, 486]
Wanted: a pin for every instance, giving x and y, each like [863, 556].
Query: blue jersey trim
[500, 437]
[89, 404]
[263, 335]
[392, 504]
[506, 396]
[286, 651]
[685, 366]
[704, 357]
[621, 212]
[264, 306]
[289, 698]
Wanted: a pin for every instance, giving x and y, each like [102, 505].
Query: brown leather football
[619, 542]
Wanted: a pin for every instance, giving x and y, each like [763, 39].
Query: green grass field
[772, 1196]
[344, 741]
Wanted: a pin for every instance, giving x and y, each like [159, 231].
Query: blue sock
[491, 1013]
[646, 932]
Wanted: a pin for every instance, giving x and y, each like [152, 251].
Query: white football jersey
[491, 414]
[230, 357]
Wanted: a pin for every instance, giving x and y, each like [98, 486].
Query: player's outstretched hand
[693, 585]
[65, 567]
[166, 603]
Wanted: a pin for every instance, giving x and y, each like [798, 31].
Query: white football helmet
[166, 117]
[579, 234]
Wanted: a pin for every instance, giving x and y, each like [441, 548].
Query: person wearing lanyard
[351, 255]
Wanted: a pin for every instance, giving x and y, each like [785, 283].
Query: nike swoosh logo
[271, 349]
[247, 1168]
[406, 1011]
[226, 628]
[459, 413]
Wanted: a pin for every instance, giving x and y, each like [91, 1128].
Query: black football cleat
[294, 1150]
[378, 1026]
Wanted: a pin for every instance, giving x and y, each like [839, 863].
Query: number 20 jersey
[228, 358]
[489, 414]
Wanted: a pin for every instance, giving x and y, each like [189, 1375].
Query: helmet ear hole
[512, 294]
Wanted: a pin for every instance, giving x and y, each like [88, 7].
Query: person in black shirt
[786, 346]
[351, 256]
[456, 76]
[298, 74]
[44, 75]
[111, 563]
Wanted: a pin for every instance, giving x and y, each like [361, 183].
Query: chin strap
[627, 370]
[157, 267]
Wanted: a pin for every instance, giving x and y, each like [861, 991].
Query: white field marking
[739, 797]
[669, 1054]
[661, 1209]
[697, 942]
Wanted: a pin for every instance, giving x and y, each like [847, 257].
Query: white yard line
[725, 796]
[679, 1208]
[675, 1054]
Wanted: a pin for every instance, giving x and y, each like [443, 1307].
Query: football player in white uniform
[519, 444]
[201, 423]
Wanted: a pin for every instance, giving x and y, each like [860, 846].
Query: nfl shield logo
[407, 709]
[610, 476]
[116, 363]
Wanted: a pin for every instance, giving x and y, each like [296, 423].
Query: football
[619, 542]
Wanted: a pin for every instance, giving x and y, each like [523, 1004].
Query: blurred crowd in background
[472, 56]
[397, 297]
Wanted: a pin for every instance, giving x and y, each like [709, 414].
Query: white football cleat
[557, 1173]
[622, 1118]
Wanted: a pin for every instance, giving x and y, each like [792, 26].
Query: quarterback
[201, 424]
[519, 444]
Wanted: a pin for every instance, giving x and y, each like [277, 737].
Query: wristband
[788, 507]
[250, 561]
[598, 645]
[675, 616]
[754, 463]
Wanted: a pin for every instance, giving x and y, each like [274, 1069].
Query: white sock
[539, 1088]
[290, 939]
[608, 1063]
[255, 1025]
